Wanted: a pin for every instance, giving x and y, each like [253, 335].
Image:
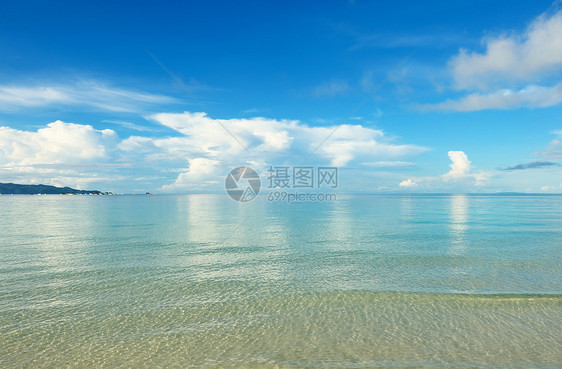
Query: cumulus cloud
[59, 154]
[266, 140]
[84, 93]
[261, 140]
[201, 150]
[202, 136]
[460, 172]
[507, 74]
[460, 165]
[57, 143]
[460, 169]
[408, 183]
[196, 175]
[513, 57]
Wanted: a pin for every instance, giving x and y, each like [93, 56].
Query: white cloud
[530, 97]
[85, 93]
[64, 150]
[534, 53]
[408, 183]
[59, 142]
[196, 175]
[460, 165]
[516, 70]
[202, 136]
[354, 141]
[270, 138]
[267, 140]
[137, 144]
[460, 174]
[460, 169]
[60, 154]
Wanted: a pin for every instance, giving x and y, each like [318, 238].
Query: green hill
[19, 189]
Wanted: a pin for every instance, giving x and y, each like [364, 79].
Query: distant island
[20, 189]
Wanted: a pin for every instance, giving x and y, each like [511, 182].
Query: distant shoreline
[40, 189]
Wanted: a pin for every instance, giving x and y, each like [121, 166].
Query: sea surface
[201, 281]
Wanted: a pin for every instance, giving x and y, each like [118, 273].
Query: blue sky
[471, 99]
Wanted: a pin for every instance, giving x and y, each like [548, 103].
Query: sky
[168, 97]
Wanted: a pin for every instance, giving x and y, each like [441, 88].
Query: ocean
[201, 281]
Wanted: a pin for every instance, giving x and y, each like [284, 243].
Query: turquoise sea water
[202, 281]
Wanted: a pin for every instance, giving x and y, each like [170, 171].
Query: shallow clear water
[202, 281]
